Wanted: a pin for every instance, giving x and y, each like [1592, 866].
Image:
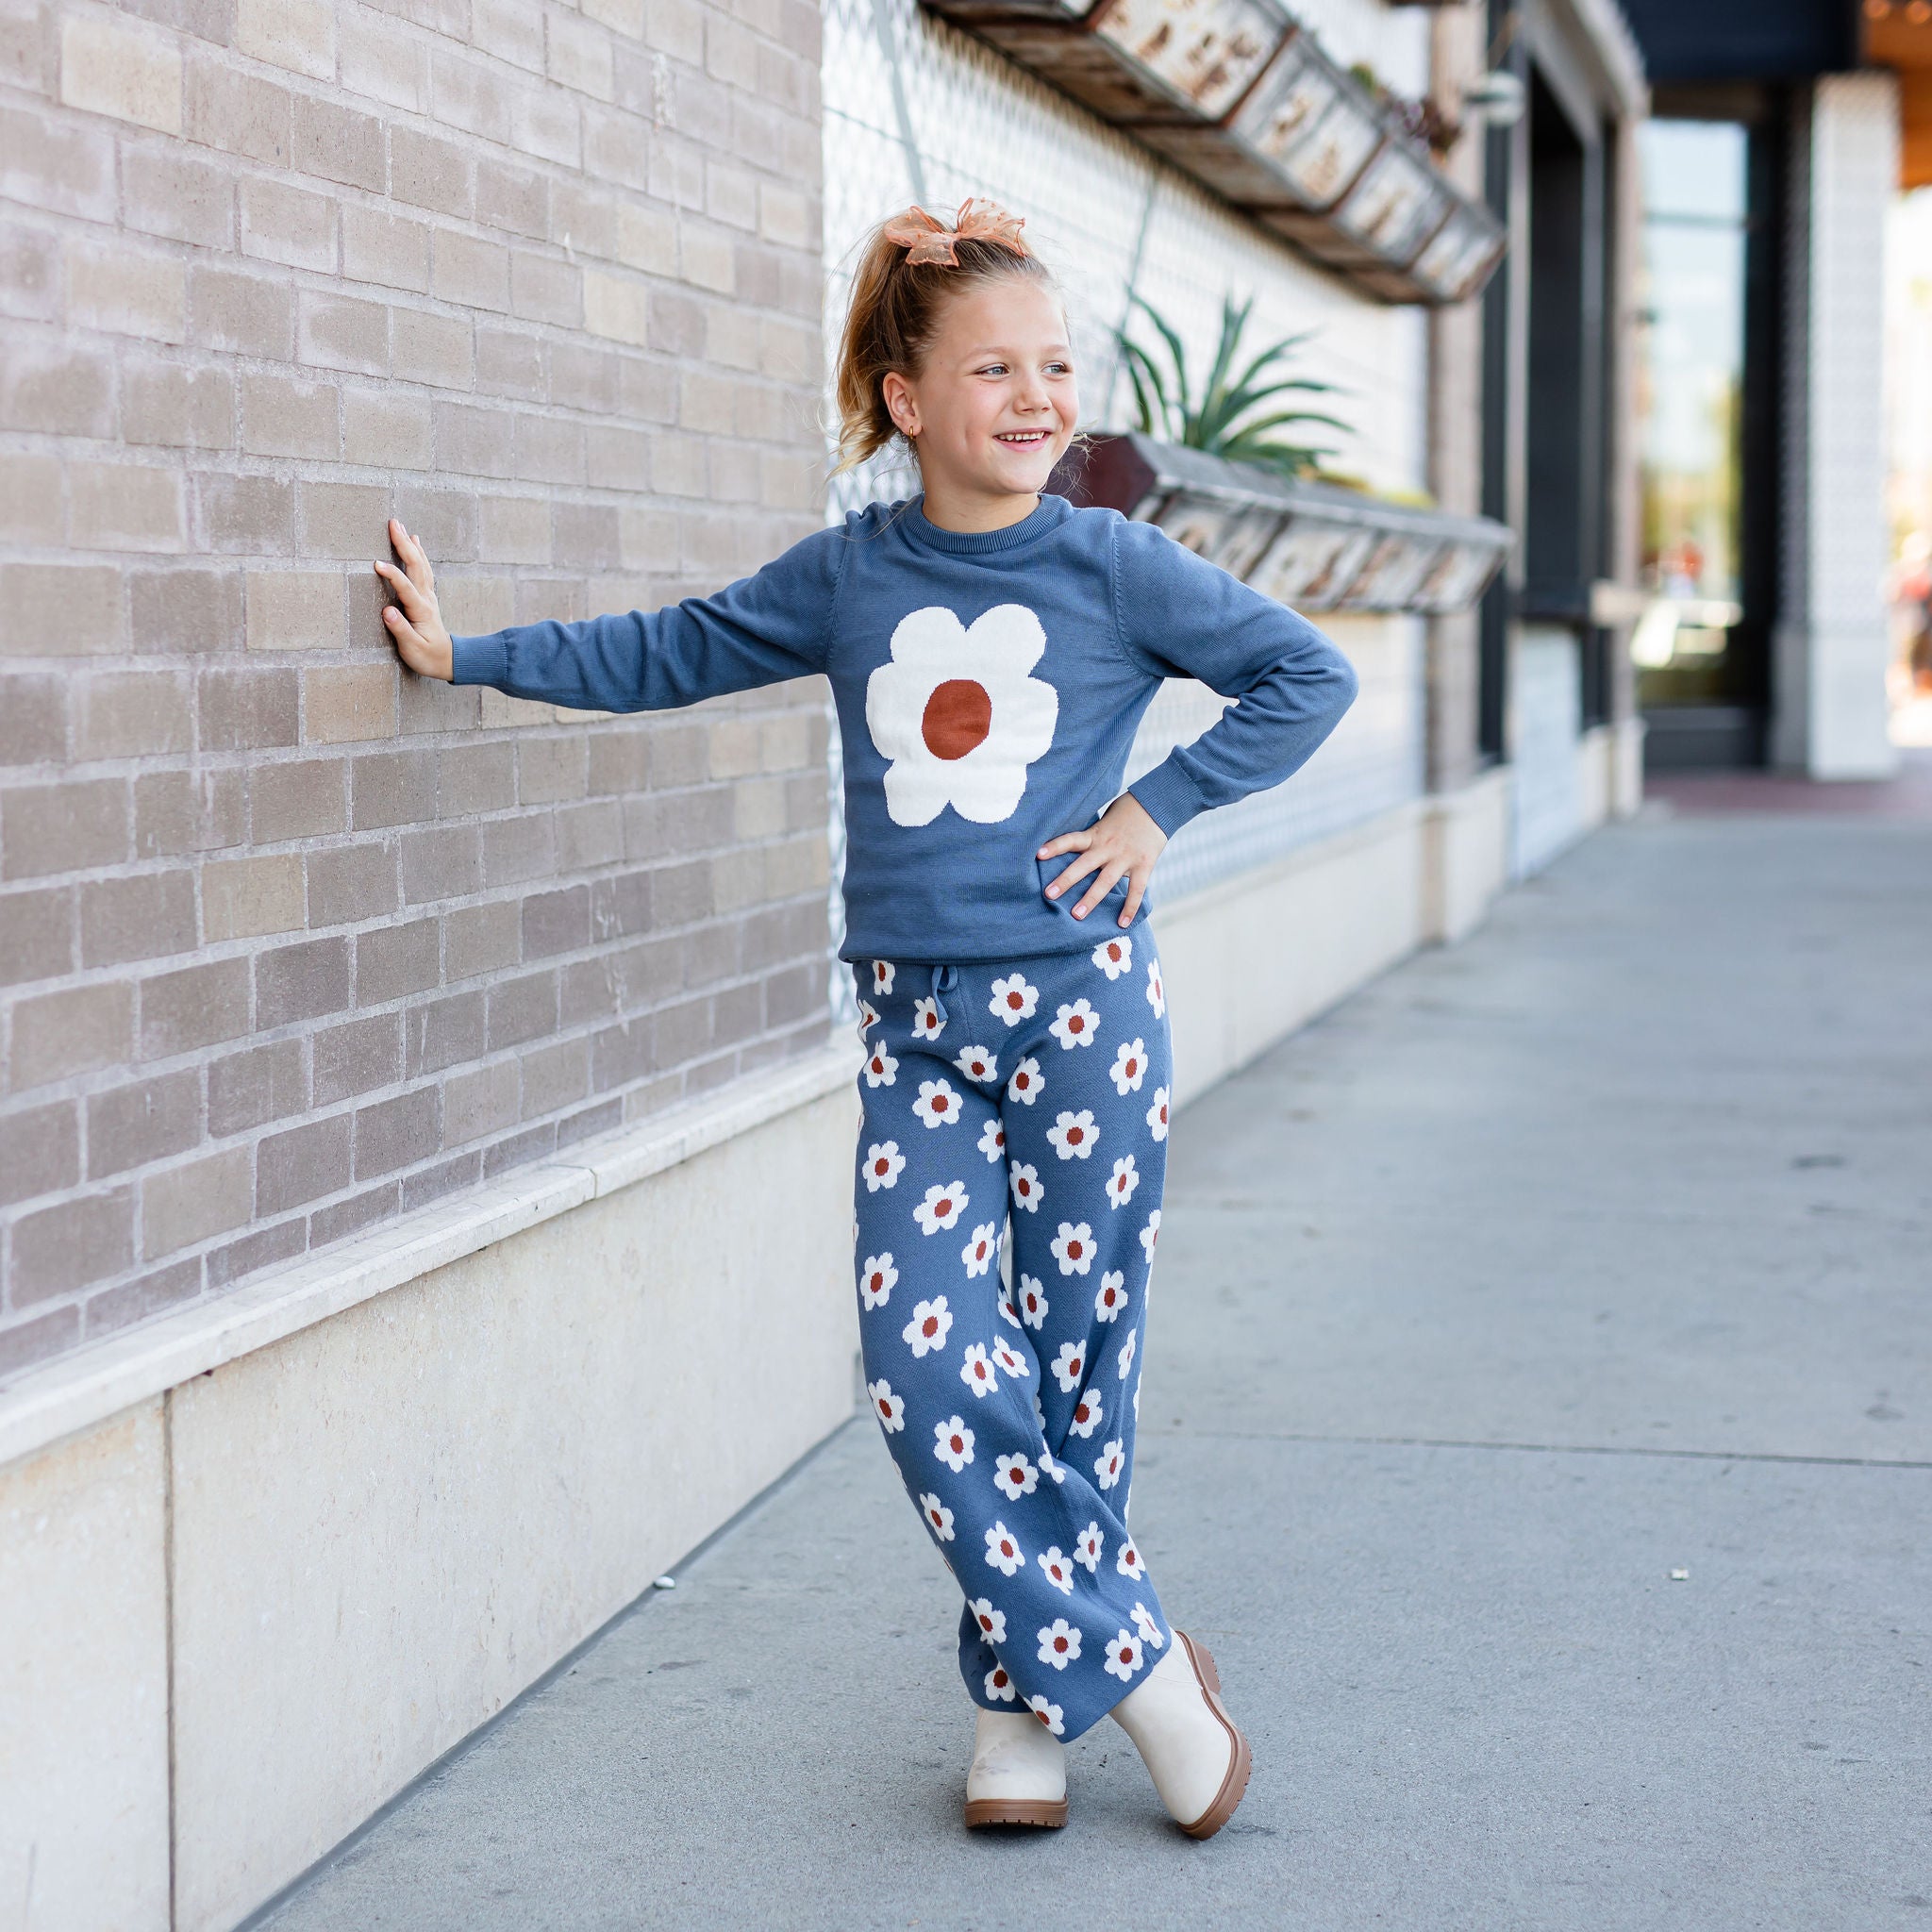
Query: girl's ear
[901, 405]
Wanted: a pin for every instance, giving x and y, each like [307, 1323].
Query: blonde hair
[891, 322]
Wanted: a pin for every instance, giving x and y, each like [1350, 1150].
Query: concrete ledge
[1465, 854]
[96, 1383]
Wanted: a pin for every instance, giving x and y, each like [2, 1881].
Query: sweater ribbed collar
[1051, 512]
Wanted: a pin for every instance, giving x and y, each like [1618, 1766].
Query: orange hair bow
[931, 240]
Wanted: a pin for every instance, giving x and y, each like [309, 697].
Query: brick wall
[291, 941]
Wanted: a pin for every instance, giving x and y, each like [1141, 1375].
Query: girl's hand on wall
[417, 630]
[1124, 842]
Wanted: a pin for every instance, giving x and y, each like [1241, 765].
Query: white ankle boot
[1198, 1759]
[1018, 1774]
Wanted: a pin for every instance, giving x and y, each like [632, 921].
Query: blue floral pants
[1010, 1161]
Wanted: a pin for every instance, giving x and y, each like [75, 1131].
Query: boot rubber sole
[1047, 1813]
[1235, 1785]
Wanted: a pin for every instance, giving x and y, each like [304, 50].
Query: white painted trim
[99, 1381]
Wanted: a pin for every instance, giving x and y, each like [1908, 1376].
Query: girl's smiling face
[995, 404]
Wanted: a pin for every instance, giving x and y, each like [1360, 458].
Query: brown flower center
[957, 716]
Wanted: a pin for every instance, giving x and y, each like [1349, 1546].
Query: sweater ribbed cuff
[480, 659]
[1168, 796]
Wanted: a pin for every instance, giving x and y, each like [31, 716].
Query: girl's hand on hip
[1123, 843]
[417, 629]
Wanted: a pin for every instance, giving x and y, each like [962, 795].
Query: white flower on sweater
[1086, 1414]
[993, 1140]
[1151, 1234]
[1121, 1183]
[927, 1020]
[1008, 1360]
[938, 1519]
[1073, 1135]
[889, 1408]
[1068, 1366]
[1026, 1083]
[1016, 1476]
[977, 1063]
[1048, 1714]
[884, 1165]
[999, 1686]
[958, 715]
[1060, 1642]
[868, 1018]
[943, 1204]
[1048, 1465]
[931, 1322]
[976, 1371]
[1088, 1548]
[1129, 1067]
[952, 1442]
[1075, 1025]
[1157, 993]
[1059, 1572]
[1110, 1462]
[1008, 1311]
[1145, 1624]
[882, 972]
[1003, 1550]
[1073, 1248]
[1112, 1297]
[875, 1279]
[978, 1253]
[1125, 1366]
[1157, 1114]
[1128, 1563]
[880, 1068]
[1032, 1302]
[937, 1104]
[1025, 1182]
[1114, 957]
[993, 1622]
[1125, 1657]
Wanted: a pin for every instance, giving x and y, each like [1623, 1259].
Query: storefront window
[1690, 385]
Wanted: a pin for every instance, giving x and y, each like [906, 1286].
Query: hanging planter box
[1245, 100]
[1308, 545]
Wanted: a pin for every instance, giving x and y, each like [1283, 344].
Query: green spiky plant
[1232, 416]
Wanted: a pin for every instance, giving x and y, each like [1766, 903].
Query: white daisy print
[1068, 1366]
[1008, 1311]
[1156, 997]
[938, 1519]
[978, 1253]
[1110, 1462]
[868, 1018]
[1013, 1000]
[952, 1442]
[1025, 1182]
[1157, 1114]
[1003, 1550]
[993, 1622]
[976, 1371]
[999, 1686]
[1129, 1564]
[1112, 1297]
[993, 1140]
[1121, 1183]
[889, 1408]
[1126, 1362]
[977, 1063]
[884, 1165]
[959, 714]
[1089, 1546]
[1149, 1629]
[1073, 1135]
[1049, 1467]
[880, 1068]
[1060, 1642]
[1059, 1569]
[1032, 1302]
[875, 1279]
[1009, 1361]
[943, 1204]
[1075, 1025]
[1129, 1067]
[1086, 1414]
[1114, 957]
[931, 1322]
[1026, 1083]
[1048, 1714]
[929, 1022]
[1016, 1476]
[882, 972]
[937, 1104]
[1073, 1248]
[1125, 1657]
[1151, 1234]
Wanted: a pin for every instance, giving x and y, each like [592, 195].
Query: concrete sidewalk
[1593, 1250]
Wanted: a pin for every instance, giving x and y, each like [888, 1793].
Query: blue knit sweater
[988, 687]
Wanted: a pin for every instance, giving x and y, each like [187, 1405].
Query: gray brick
[242, 313]
[179, 813]
[23, 1343]
[198, 1007]
[479, 1101]
[301, 1164]
[393, 787]
[445, 1032]
[357, 1058]
[72, 1244]
[351, 883]
[518, 849]
[622, 1054]
[252, 1088]
[253, 1252]
[557, 922]
[434, 1183]
[342, 1219]
[185, 609]
[589, 990]
[474, 778]
[604, 1118]
[249, 711]
[75, 1031]
[64, 827]
[554, 1076]
[621, 907]
[482, 939]
[179, 406]
[59, 610]
[445, 862]
[395, 961]
[149, 1294]
[129, 713]
[518, 1150]
[301, 982]
[185, 1205]
[302, 799]
[429, 173]
[130, 1126]
[589, 835]
[40, 1151]
[58, 389]
[141, 918]
[396, 1133]
[339, 145]
[33, 720]
[522, 1009]
[252, 515]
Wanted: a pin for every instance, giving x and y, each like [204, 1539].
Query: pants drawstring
[945, 979]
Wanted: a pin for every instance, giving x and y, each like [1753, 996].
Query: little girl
[990, 650]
